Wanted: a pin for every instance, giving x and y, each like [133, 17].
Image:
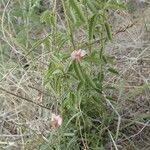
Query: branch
[125, 28]
[25, 99]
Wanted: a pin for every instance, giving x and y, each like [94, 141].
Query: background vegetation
[103, 99]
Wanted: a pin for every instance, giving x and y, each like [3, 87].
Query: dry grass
[131, 48]
[24, 125]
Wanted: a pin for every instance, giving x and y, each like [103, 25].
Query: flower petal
[78, 54]
[59, 119]
[53, 116]
[73, 54]
[56, 120]
[83, 53]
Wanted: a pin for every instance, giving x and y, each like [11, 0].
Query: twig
[125, 28]
[132, 136]
[113, 140]
[113, 34]
[119, 117]
[28, 100]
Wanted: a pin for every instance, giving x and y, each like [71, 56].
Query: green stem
[69, 30]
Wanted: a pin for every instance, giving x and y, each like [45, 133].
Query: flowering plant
[77, 80]
[78, 54]
[56, 120]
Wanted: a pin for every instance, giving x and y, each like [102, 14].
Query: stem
[69, 30]
[23, 98]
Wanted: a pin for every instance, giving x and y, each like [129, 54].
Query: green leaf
[98, 101]
[92, 24]
[93, 58]
[16, 12]
[61, 40]
[78, 70]
[114, 5]
[91, 6]
[108, 30]
[72, 16]
[114, 71]
[74, 4]
[73, 117]
[80, 85]
[70, 67]
[101, 76]
[39, 42]
[48, 17]
[90, 82]
[104, 59]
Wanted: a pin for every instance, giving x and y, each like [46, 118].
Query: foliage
[75, 103]
[79, 84]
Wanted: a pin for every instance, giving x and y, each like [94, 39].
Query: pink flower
[78, 54]
[56, 120]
